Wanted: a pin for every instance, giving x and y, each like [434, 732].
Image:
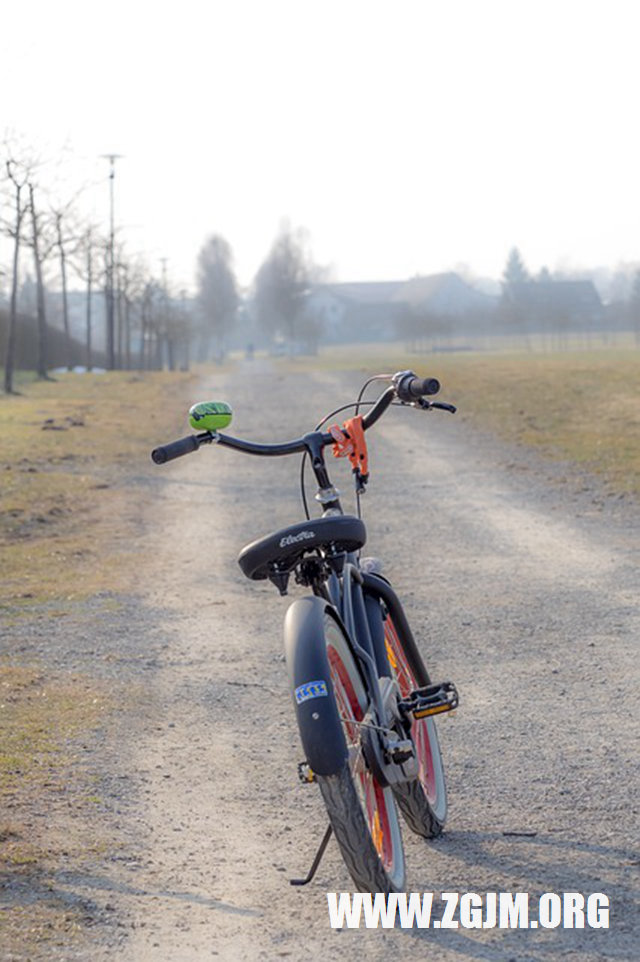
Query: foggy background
[293, 174]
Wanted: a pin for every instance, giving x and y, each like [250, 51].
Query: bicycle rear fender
[314, 701]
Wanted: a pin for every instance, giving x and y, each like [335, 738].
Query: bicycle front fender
[319, 723]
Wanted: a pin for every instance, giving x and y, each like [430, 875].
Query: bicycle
[364, 700]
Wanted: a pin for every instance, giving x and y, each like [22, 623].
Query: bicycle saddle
[286, 547]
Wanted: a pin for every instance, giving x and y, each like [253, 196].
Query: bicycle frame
[344, 592]
[347, 597]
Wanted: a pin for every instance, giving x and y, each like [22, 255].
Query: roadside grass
[66, 448]
[576, 406]
[40, 713]
[581, 407]
[74, 464]
[44, 716]
[49, 922]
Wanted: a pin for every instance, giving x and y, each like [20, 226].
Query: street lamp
[111, 360]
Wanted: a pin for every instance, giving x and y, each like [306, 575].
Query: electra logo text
[312, 689]
[468, 910]
[295, 538]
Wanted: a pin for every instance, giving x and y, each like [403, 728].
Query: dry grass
[40, 713]
[74, 456]
[581, 406]
[42, 716]
[67, 449]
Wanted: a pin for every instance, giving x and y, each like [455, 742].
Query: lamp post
[167, 321]
[111, 359]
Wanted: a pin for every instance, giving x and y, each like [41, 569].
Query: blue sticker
[313, 689]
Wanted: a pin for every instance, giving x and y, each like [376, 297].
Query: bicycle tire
[362, 813]
[423, 802]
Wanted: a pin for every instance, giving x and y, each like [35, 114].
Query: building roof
[560, 296]
[420, 289]
[364, 292]
[448, 289]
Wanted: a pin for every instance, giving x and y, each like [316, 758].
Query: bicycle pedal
[431, 700]
[305, 773]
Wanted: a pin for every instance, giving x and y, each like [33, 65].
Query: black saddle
[283, 549]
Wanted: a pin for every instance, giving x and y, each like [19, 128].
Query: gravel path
[521, 587]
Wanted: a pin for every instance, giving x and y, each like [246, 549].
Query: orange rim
[372, 793]
[419, 729]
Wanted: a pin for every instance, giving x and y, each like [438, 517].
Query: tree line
[534, 302]
[146, 324]
[275, 304]
[47, 231]
[548, 305]
[132, 319]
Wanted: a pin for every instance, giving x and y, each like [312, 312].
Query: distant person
[249, 351]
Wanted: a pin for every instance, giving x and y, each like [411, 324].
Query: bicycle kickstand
[316, 861]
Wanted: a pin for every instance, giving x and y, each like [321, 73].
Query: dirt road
[521, 587]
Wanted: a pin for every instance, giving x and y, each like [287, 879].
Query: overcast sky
[406, 136]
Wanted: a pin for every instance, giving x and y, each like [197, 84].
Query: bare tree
[184, 314]
[62, 239]
[147, 327]
[217, 291]
[129, 285]
[89, 275]
[175, 328]
[152, 308]
[634, 307]
[136, 314]
[42, 243]
[281, 284]
[18, 176]
[120, 350]
[85, 262]
[514, 306]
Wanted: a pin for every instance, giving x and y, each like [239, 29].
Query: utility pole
[166, 321]
[111, 358]
[186, 328]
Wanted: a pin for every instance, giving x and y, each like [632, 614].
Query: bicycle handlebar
[409, 387]
[406, 386]
[175, 449]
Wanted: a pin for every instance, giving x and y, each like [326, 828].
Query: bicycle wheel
[423, 802]
[362, 813]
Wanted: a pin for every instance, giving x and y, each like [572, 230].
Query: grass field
[582, 406]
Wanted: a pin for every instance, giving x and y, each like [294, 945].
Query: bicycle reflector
[210, 415]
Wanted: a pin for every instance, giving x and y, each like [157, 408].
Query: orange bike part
[350, 443]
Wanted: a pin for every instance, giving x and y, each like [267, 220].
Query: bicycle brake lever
[360, 481]
[428, 405]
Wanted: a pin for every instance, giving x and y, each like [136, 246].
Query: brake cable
[345, 407]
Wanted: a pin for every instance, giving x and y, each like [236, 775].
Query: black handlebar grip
[420, 388]
[409, 387]
[175, 449]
